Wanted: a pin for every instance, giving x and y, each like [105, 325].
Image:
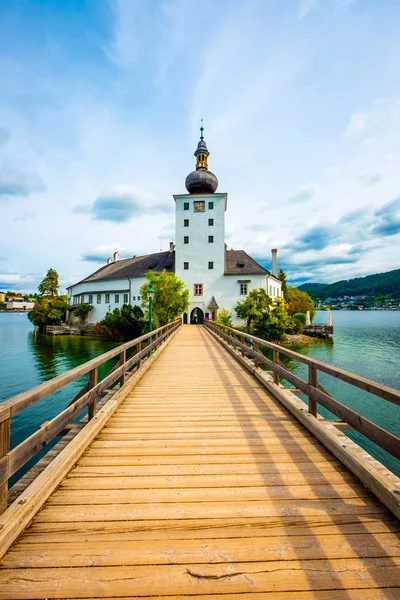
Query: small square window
[210, 239]
[125, 298]
[243, 289]
[107, 298]
[210, 205]
[134, 298]
[198, 289]
[186, 223]
[186, 266]
[186, 206]
[211, 222]
[210, 265]
[186, 239]
[116, 298]
[90, 299]
[98, 298]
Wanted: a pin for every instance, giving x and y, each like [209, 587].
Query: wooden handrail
[375, 433]
[378, 389]
[14, 405]
[12, 460]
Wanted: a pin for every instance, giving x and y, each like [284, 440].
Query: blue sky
[100, 106]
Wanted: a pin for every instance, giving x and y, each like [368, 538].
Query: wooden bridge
[200, 476]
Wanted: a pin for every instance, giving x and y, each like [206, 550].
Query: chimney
[116, 256]
[274, 252]
[171, 246]
[109, 261]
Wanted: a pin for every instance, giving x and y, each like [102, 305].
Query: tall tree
[170, 300]
[50, 308]
[282, 278]
[49, 285]
[299, 302]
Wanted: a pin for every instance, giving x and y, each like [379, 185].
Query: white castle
[215, 276]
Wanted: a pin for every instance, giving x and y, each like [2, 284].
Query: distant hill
[379, 284]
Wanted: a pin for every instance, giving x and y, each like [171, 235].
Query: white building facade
[215, 276]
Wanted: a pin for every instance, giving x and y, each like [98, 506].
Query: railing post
[243, 342]
[256, 349]
[92, 407]
[312, 380]
[122, 361]
[4, 472]
[139, 349]
[276, 361]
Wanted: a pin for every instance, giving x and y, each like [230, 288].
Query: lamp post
[150, 294]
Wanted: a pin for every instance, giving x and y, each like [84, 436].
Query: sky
[100, 107]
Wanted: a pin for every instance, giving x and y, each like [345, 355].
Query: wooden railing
[250, 346]
[12, 460]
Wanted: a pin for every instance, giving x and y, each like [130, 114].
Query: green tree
[299, 302]
[282, 278]
[264, 317]
[49, 285]
[81, 311]
[122, 324]
[253, 308]
[50, 308]
[224, 317]
[170, 300]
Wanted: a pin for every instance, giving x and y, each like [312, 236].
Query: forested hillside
[380, 284]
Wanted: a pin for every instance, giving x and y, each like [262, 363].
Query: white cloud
[14, 182]
[358, 123]
[306, 192]
[306, 6]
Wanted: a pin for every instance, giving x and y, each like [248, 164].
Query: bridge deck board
[202, 485]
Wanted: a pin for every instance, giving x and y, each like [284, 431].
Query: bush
[299, 321]
[81, 311]
[123, 324]
[224, 317]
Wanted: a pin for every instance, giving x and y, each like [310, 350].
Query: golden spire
[202, 152]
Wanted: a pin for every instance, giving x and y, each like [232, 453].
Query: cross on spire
[201, 130]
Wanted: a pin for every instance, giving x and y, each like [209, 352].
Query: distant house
[19, 305]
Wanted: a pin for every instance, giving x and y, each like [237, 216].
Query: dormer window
[240, 265]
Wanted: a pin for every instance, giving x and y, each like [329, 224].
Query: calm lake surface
[366, 343]
[28, 359]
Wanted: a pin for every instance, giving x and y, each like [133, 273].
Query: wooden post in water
[4, 467]
[92, 407]
[312, 380]
[276, 361]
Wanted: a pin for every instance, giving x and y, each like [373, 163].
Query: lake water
[366, 343]
[28, 359]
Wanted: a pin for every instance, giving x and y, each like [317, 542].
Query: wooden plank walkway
[201, 485]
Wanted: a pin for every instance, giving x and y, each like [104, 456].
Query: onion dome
[201, 181]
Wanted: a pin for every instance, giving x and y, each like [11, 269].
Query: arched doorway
[196, 316]
[184, 318]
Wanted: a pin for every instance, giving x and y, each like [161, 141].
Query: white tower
[200, 236]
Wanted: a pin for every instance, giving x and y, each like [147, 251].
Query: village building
[217, 277]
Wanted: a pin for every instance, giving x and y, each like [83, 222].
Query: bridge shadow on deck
[225, 362]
